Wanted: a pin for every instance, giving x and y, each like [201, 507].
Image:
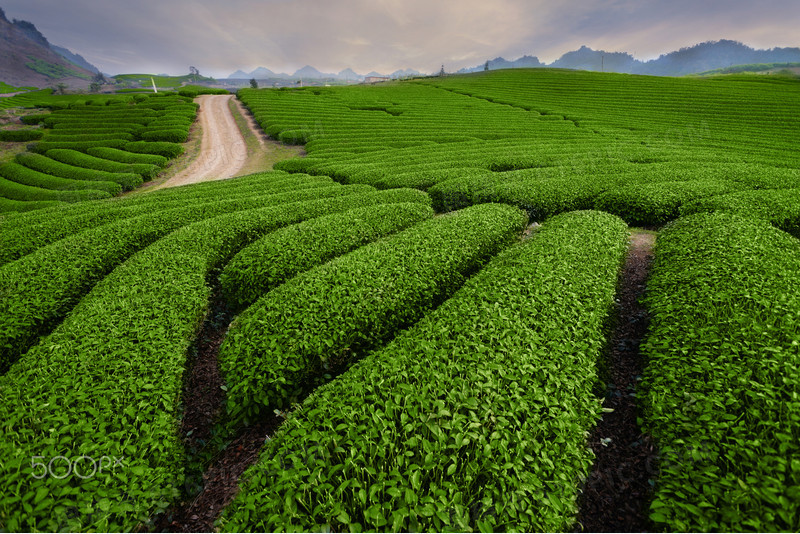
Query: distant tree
[441, 72]
[486, 65]
[94, 87]
[194, 72]
[61, 88]
[99, 78]
[253, 83]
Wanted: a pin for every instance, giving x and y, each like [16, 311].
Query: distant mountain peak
[30, 30]
[700, 57]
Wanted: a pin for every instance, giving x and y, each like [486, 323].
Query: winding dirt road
[223, 151]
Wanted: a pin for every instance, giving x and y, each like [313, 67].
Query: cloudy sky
[219, 37]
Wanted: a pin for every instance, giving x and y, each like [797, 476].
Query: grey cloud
[385, 35]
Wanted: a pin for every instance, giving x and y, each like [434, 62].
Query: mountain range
[310, 73]
[698, 58]
[28, 59]
[701, 57]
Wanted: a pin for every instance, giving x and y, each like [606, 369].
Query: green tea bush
[27, 176]
[277, 257]
[116, 394]
[474, 419]
[52, 167]
[8, 206]
[79, 159]
[123, 156]
[289, 338]
[720, 390]
[653, 204]
[44, 291]
[18, 136]
[27, 234]
[43, 146]
[779, 207]
[160, 148]
[16, 191]
[171, 136]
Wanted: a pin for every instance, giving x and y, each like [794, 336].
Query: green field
[436, 360]
[101, 145]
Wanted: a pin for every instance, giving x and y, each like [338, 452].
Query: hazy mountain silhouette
[28, 58]
[698, 58]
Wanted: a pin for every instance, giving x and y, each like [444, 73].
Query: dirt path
[223, 151]
[618, 490]
[217, 484]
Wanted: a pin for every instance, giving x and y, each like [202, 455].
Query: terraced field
[90, 148]
[429, 358]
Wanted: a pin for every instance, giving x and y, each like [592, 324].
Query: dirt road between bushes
[223, 151]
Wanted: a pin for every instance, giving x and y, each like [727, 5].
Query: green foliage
[167, 150]
[472, 420]
[17, 191]
[653, 204]
[141, 171]
[6, 88]
[7, 205]
[52, 70]
[779, 207]
[44, 290]
[326, 317]
[172, 136]
[43, 146]
[277, 257]
[104, 181]
[115, 394]
[27, 176]
[192, 91]
[721, 385]
[26, 234]
[127, 157]
[545, 140]
[18, 136]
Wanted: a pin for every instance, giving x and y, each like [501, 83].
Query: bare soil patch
[213, 489]
[223, 151]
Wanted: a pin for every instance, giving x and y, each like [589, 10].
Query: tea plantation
[439, 360]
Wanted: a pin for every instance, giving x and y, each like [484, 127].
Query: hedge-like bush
[34, 118]
[124, 156]
[474, 419]
[653, 204]
[45, 290]
[56, 136]
[112, 373]
[171, 135]
[79, 159]
[720, 391]
[17, 191]
[27, 234]
[168, 150]
[780, 207]
[27, 176]
[18, 136]
[84, 146]
[53, 167]
[290, 338]
[7, 205]
[279, 256]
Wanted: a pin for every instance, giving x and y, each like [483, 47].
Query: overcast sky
[219, 37]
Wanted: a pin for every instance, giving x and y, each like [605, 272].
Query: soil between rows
[619, 488]
[616, 493]
[204, 403]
